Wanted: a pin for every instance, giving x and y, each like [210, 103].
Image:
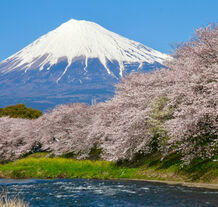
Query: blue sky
[156, 23]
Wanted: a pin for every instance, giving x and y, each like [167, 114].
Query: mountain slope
[66, 63]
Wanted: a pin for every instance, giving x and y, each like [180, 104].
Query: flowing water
[97, 193]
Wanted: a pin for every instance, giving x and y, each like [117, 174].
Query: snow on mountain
[77, 62]
[75, 39]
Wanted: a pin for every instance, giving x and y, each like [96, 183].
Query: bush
[20, 111]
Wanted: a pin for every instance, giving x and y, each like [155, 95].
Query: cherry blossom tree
[16, 138]
[195, 95]
[167, 110]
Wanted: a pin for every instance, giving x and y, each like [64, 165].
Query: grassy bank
[151, 168]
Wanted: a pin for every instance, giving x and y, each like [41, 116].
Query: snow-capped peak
[83, 39]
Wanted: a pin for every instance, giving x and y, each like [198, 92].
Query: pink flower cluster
[122, 126]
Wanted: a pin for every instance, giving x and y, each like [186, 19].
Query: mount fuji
[79, 61]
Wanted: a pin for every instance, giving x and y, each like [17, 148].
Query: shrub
[95, 153]
[20, 111]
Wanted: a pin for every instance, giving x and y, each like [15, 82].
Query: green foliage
[170, 168]
[20, 111]
[151, 167]
[202, 169]
[68, 155]
[158, 115]
[63, 168]
[37, 155]
[95, 153]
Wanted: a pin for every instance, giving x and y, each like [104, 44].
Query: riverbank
[198, 174]
[187, 184]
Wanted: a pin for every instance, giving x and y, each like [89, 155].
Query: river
[100, 193]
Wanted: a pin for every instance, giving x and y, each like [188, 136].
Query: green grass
[171, 169]
[148, 168]
[32, 167]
